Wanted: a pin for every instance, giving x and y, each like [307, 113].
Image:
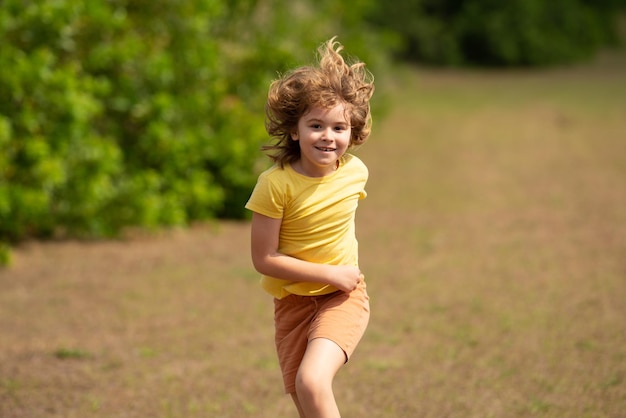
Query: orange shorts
[340, 317]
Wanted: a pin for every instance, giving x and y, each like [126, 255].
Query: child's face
[324, 136]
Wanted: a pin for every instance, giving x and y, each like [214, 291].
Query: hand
[346, 278]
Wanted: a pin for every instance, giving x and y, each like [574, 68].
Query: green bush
[500, 33]
[108, 116]
[144, 113]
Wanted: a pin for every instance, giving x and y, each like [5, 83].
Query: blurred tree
[500, 33]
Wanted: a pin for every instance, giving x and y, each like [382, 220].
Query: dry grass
[494, 242]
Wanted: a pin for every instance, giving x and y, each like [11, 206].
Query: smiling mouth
[326, 149]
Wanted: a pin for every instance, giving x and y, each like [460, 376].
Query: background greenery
[500, 33]
[149, 113]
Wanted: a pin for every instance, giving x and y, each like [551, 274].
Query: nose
[327, 134]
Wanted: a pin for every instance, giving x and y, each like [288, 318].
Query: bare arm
[267, 260]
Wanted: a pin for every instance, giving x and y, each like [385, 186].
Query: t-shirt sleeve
[267, 198]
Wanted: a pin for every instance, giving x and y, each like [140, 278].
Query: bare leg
[296, 401]
[314, 381]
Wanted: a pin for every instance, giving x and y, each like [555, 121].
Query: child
[303, 234]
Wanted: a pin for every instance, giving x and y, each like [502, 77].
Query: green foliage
[500, 33]
[104, 125]
[144, 113]
[5, 254]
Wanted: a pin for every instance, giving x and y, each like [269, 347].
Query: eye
[316, 126]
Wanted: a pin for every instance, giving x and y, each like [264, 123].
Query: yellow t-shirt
[317, 218]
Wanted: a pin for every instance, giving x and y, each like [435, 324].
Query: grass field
[494, 244]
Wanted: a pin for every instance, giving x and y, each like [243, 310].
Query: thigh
[322, 359]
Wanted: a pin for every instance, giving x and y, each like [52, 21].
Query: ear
[294, 136]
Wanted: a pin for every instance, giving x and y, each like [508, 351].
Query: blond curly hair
[331, 82]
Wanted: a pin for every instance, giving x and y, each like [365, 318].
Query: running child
[303, 239]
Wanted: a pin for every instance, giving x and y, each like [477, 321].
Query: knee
[311, 384]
